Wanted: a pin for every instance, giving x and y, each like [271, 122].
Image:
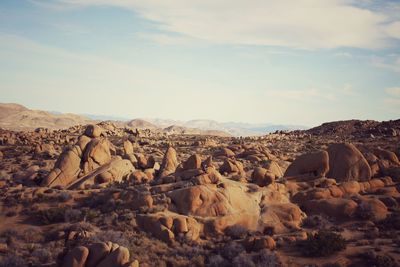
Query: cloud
[394, 98]
[348, 89]
[393, 91]
[306, 24]
[306, 95]
[391, 62]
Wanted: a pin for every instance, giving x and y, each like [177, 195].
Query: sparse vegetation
[323, 243]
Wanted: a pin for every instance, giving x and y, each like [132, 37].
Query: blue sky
[290, 62]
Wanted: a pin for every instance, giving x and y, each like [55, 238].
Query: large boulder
[230, 204]
[224, 152]
[76, 257]
[262, 177]
[337, 208]
[93, 131]
[232, 166]
[117, 257]
[97, 153]
[115, 171]
[66, 168]
[314, 165]
[346, 163]
[193, 162]
[105, 254]
[169, 163]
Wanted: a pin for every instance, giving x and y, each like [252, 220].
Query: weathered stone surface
[314, 165]
[169, 163]
[346, 163]
[76, 258]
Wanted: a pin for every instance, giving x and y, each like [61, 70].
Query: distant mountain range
[18, 117]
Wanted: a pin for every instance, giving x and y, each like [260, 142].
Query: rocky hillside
[357, 127]
[19, 118]
[103, 195]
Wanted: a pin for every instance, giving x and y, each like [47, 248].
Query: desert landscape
[191, 133]
[103, 195]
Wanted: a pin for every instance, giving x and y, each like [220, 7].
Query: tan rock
[76, 257]
[346, 163]
[128, 147]
[169, 163]
[93, 131]
[193, 162]
[97, 153]
[231, 166]
[314, 165]
[224, 152]
[97, 252]
[117, 257]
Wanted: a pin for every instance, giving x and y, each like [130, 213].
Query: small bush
[64, 196]
[52, 215]
[323, 243]
[232, 249]
[384, 261]
[236, 231]
[12, 261]
[243, 260]
[73, 215]
[267, 258]
[42, 255]
[217, 261]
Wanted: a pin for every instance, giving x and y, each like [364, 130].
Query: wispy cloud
[393, 98]
[305, 95]
[391, 62]
[307, 24]
[393, 91]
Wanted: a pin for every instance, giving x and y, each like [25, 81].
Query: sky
[300, 62]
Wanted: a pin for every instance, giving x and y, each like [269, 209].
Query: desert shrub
[391, 222]
[72, 215]
[232, 249]
[52, 215]
[90, 214]
[42, 255]
[236, 231]
[83, 226]
[64, 196]
[217, 261]
[267, 258]
[243, 260]
[32, 235]
[113, 236]
[384, 261]
[9, 236]
[323, 243]
[12, 260]
[315, 221]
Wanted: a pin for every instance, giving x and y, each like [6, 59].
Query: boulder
[372, 209]
[128, 147]
[193, 162]
[314, 165]
[93, 131]
[346, 163]
[169, 162]
[97, 252]
[224, 152]
[262, 177]
[76, 257]
[117, 257]
[97, 153]
[337, 208]
[231, 166]
[274, 168]
[66, 169]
